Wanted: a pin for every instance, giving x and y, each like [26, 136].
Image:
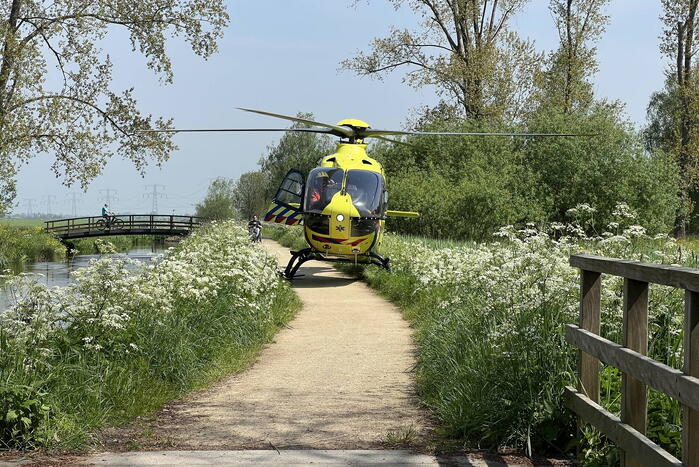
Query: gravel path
[338, 378]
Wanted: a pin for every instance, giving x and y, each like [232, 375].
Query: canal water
[52, 273]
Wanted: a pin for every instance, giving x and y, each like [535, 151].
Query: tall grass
[489, 320]
[27, 244]
[121, 341]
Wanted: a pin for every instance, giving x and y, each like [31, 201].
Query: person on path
[255, 229]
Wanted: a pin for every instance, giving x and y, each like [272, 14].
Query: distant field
[22, 222]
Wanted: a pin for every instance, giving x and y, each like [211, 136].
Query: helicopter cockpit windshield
[366, 189]
[323, 184]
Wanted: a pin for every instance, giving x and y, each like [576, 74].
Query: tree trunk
[684, 62]
[685, 52]
[8, 56]
[567, 92]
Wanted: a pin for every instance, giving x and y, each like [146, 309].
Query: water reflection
[54, 273]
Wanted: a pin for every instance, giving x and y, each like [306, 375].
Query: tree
[467, 188]
[250, 194]
[672, 113]
[603, 170]
[220, 200]
[678, 43]
[566, 83]
[82, 120]
[295, 150]
[663, 114]
[465, 50]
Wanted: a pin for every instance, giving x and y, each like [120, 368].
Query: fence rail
[638, 370]
[129, 224]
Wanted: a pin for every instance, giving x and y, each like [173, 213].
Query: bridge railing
[121, 224]
[638, 370]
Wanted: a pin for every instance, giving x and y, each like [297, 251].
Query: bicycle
[110, 223]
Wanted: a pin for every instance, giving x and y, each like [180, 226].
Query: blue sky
[282, 56]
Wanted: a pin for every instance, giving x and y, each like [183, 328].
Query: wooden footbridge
[128, 224]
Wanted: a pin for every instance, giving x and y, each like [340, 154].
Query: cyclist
[107, 214]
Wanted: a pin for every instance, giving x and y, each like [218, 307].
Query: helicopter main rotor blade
[209, 130]
[395, 141]
[377, 133]
[339, 130]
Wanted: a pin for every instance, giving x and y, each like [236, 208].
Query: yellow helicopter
[342, 203]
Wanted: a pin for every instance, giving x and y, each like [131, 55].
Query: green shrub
[22, 412]
[27, 244]
[291, 237]
[609, 167]
[466, 188]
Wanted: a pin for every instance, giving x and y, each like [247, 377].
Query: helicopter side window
[366, 189]
[323, 183]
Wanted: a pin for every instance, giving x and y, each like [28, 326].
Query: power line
[154, 195]
[48, 199]
[75, 197]
[109, 195]
[29, 203]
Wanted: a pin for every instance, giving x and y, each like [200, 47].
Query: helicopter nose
[340, 219]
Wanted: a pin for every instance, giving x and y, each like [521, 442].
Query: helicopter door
[286, 204]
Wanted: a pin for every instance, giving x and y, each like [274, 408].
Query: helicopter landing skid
[307, 254]
[297, 259]
[380, 261]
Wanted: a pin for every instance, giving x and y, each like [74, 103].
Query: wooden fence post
[634, 396]
[590, 297]
[690, 417]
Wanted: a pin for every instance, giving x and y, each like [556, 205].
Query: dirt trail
[339, 377]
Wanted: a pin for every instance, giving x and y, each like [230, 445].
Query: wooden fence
[638, 371]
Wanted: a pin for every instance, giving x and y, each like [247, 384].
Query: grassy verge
[24, 244]
[489, 322]
[120, 341]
